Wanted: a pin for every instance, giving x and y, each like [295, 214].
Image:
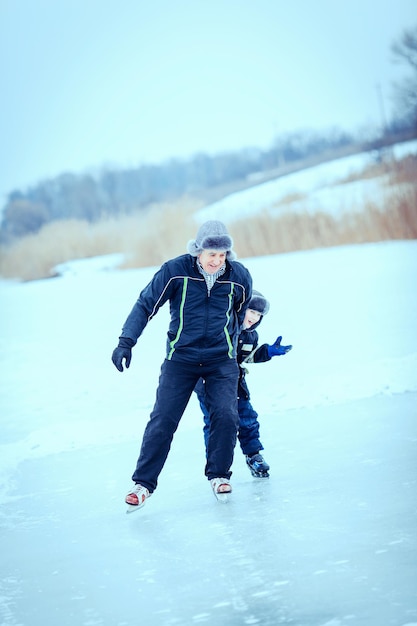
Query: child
[248, 352]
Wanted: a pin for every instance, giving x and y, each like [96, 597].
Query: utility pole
[382, 108]
[383, 150]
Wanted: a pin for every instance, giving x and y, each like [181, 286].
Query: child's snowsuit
[247, 352]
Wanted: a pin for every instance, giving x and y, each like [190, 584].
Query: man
[208, 291]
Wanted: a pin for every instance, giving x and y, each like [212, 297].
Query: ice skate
[258, 466]
[221, 488]
[136, 498]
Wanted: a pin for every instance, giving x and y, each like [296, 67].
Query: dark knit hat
[258, 303]
[212, 235]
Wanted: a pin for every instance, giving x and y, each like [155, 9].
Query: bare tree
[405, 96]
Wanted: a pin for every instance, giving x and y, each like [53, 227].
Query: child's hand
[277, 350]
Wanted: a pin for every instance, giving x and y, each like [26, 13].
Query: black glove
[277, 350]
[123, 351]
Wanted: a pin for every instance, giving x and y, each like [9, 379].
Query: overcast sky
[87, 83]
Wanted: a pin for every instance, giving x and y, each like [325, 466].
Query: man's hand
[123, 351]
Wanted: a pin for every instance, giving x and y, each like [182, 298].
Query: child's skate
[258, 466]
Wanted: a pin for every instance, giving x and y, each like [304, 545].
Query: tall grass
[265, 234]
[161, 232]
[146, 239]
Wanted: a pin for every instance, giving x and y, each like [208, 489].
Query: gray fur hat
[212, 235]
[258, 303]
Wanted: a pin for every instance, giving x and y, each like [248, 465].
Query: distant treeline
[120, 192]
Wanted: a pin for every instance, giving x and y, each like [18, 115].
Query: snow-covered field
[320, 188]
[328, 540]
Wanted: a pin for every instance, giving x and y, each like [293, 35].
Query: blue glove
[123, 351]
[277, 350]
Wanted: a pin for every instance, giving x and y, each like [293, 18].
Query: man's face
[212, 260]
[251, 317]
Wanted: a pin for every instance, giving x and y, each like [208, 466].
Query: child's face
[251, 317]
[212, 260]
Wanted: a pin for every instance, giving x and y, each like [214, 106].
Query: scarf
[211, 278]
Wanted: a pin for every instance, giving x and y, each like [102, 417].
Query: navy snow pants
[248, 433]
[176, 384]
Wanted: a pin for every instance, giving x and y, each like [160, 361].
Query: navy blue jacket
[204, 326]
[249, 352]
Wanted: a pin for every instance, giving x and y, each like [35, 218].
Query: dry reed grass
[264, 234]
[147, 238]
[150, 237]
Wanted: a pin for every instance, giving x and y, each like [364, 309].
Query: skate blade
[131, 508]
[222, 497]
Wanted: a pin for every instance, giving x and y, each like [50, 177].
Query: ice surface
[328, 540]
